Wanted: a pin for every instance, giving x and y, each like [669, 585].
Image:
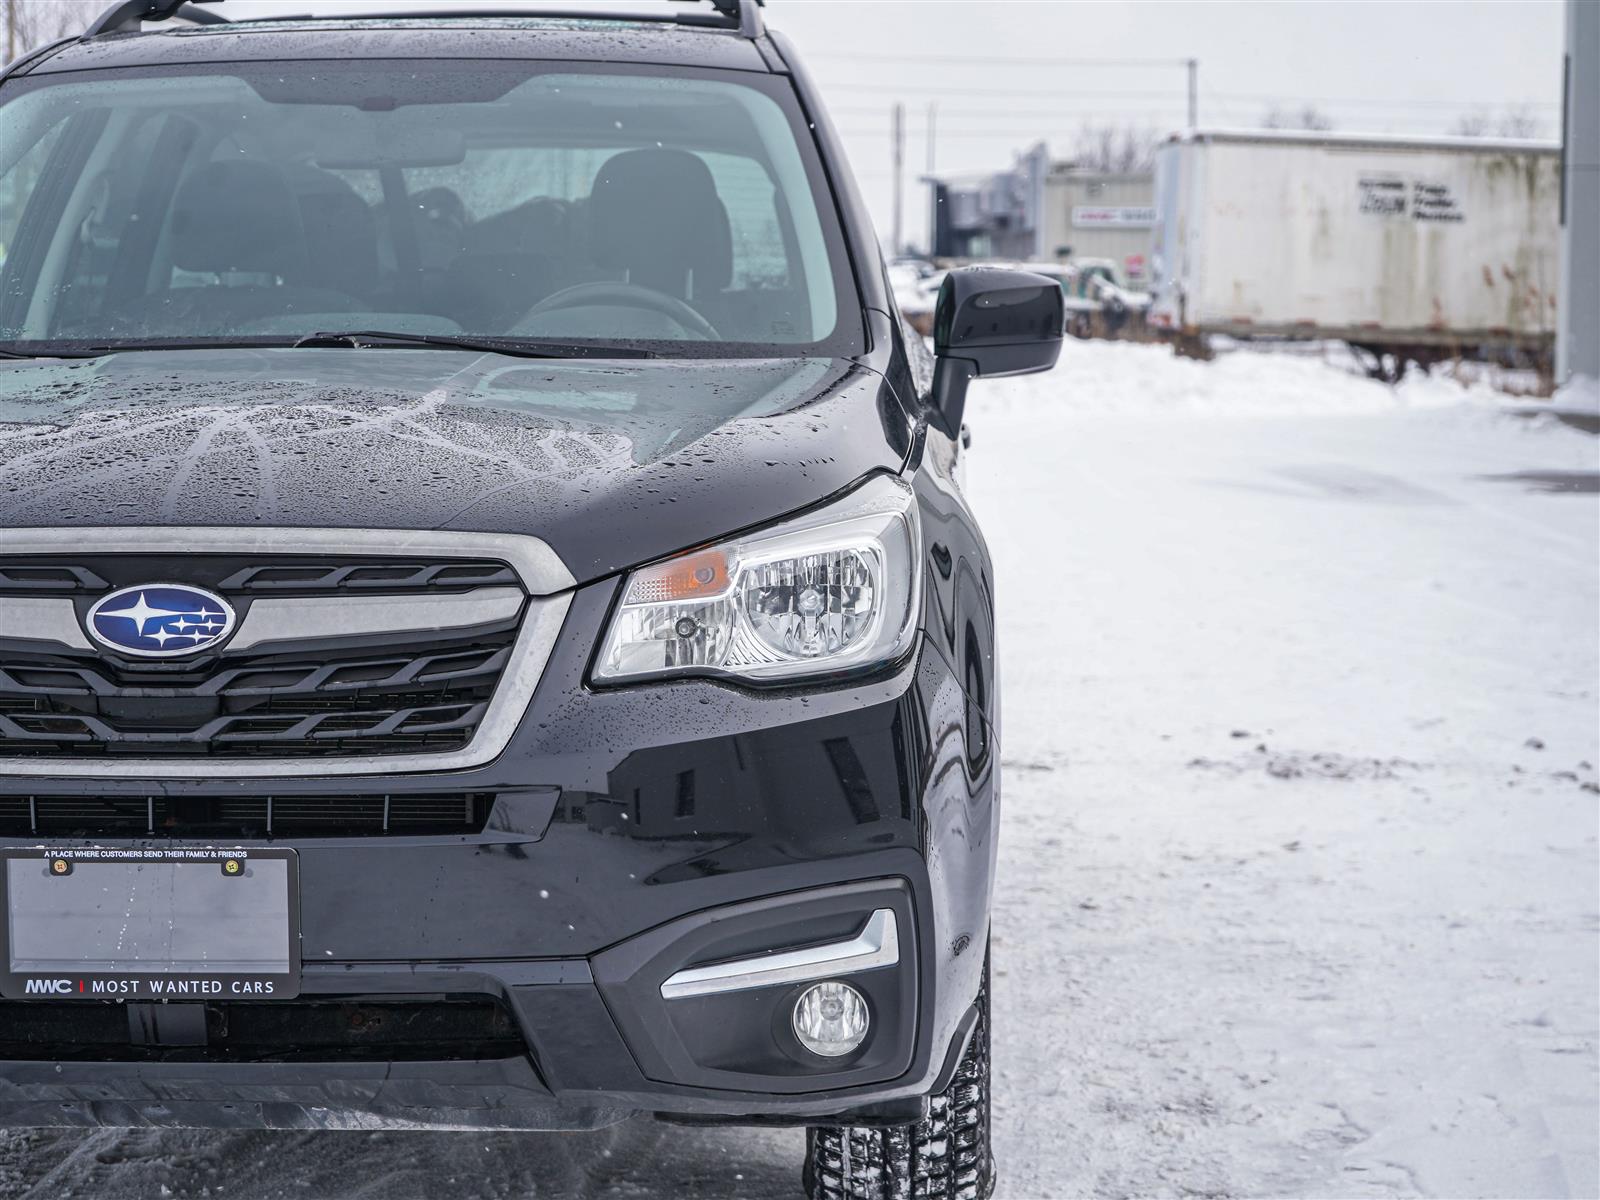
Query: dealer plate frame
[133, 985]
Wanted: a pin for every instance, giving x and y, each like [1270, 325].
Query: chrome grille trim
[275, 619]
[293, 620]
[542, 572]
[42, 619]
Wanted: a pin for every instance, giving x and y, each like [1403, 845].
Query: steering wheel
[629, 295]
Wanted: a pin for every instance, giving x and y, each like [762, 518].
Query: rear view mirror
[349, 144]
[989, 323]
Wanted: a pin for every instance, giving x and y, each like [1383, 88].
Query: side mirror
[988, 323]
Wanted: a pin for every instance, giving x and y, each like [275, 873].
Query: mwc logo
[47, 987]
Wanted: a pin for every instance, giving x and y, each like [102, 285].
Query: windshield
[681, 212]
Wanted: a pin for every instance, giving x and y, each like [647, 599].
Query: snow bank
[1581, 394]
[1298, 875]
[1128, 377]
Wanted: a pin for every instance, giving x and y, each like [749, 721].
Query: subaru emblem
[160, 620]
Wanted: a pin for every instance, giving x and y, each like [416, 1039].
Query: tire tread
[943, 1157]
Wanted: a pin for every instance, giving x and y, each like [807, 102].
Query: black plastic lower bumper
[601, 1042]
[498, 1094]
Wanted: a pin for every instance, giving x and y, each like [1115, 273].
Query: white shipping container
[1383, 241]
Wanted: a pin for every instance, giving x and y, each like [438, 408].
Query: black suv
[490, 633]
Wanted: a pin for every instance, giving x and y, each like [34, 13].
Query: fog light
[831, 1019]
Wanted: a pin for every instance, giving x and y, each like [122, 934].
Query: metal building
[1099, 214]
[1044, 210]
[1578, 339]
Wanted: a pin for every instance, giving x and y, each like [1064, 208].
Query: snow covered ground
[1299, 888]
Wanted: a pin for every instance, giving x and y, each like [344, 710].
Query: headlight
[835, 590]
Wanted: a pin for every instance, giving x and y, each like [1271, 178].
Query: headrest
[238, 216]
[656, 214]
[340, 232]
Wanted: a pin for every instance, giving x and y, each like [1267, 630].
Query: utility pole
[11, 30]
[1579, 306]
[927, 176]
[899, 176]
[1194, 92]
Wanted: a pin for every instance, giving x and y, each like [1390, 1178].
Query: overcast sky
[1006, 73]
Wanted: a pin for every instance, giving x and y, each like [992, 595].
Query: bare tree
[1519, 121]
[31, 23]
[1115, 149]
[1473, 125]
[1305, 116]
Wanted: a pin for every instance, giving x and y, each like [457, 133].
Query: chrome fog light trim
[878, 945]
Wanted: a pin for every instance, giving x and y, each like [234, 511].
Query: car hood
[612, 463]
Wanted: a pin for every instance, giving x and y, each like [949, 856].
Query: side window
[508, 201]
[492, 182]
[921, 357]
[111, 212]
[918, 355]
[760, 260]
[17, 183]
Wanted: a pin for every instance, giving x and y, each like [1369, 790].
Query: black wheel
[946, 1157]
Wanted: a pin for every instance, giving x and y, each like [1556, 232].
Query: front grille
[430, 698]
[422, 698]
[29, 579]
[409, 1029]
[245, 817]
[277, 575]
[383, 693]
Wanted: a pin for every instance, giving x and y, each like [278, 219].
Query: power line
[1079, 63]
[1173, 112]
[998, 122]
[1379, 102]
[1004, 60]
[1043, 133]
[1036, 131]
[938, 91]
[1009, 109]
[985, 121]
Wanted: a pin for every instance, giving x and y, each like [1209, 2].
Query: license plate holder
[185, 923]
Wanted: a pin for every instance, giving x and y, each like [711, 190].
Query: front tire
[947, 1156]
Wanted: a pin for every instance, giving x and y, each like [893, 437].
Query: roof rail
[126, 16]
[746, 12]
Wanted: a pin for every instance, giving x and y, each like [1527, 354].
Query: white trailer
[1412, 248]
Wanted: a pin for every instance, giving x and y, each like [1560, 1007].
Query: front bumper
[602, 1042]
[637, 830]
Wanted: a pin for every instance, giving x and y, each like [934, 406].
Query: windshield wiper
[354, 339]
[50, 353]
[358, 339]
